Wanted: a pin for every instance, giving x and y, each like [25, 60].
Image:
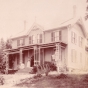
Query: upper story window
[80, 41]
[73, 37]
[21, 42]
[39, 38]
[56, 36]
[31, 39]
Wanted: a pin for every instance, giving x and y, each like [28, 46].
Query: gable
[80, 24]
[35, 29]
[79, 27]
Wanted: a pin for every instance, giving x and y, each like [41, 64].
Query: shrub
[62, 76]
[51, 65]
[34, 70]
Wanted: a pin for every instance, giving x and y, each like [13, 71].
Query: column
[39, 56]
[34, 56]
[21, 60]
[21, 56]
[15, 63]
[7, 63]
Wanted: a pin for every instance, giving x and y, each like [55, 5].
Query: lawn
[55, 81]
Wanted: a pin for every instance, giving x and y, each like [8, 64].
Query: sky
[47, 13]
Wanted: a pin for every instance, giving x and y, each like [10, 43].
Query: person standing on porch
[28, 63]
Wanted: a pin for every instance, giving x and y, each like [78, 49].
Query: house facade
[67, 45]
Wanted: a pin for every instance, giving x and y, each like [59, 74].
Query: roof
[26, 32]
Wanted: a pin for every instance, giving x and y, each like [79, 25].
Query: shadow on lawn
[56, 81]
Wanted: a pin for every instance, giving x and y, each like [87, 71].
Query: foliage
[86, 16]
[34, 70]
[51, 65]
[4, 45]
[8, 44]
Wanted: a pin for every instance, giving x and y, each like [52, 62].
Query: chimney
[74, 11]
[24, 24]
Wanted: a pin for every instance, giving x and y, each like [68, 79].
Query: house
[67, 44]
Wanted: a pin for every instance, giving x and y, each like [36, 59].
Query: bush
[34, 70]
[51, 65]
[62, 76]
[2, 80]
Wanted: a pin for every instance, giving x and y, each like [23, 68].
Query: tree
[2, 47]
[86, 15]
[8, 44]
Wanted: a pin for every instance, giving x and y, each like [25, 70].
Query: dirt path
[11, 80]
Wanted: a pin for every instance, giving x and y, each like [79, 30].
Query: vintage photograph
[43, 43]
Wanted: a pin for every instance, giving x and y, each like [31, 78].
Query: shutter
[60, 35]
[40, 38]
[72, 37]
[53, 36]
[29, 39]
[23, 41]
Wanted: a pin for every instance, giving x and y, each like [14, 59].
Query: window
[21, 42]
[80, 41]
[73, 55]
[53, 36]
[73, 37]
[31, 39]
[39, 38]
[18, 42]
[56, 36]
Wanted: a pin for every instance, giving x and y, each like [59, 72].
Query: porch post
[39, 55]
[21, 56]
[21, 60]
[7, 63]
[34, 55]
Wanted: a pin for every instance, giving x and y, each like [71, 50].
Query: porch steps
[24, 71]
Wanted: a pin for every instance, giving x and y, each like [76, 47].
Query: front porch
[29, 56]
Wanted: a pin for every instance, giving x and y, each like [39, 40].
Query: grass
[54, 81]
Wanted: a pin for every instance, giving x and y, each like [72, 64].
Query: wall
[47, 35]
[48, 52]
[76, 65]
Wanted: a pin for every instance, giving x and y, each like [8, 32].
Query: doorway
[32, 61]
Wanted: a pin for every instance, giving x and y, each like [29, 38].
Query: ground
[51, 81]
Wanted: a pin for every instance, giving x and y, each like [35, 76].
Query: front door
[32, 61]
